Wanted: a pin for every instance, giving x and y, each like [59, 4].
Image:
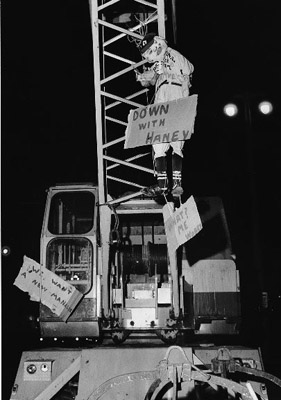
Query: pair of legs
[160, 164]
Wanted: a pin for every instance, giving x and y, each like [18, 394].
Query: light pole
[231, 110]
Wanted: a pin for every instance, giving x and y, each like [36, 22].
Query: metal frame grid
[111, 122]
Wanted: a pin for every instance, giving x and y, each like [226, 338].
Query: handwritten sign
[48, 288]
[161, 122]
[181, 225]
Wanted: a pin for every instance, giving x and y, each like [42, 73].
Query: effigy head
[153, 47]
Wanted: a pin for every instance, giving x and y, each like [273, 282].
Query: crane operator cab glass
[69, 257]
[68, 243]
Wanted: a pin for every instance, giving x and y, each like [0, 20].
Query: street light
[265, 107]
[230, 109]
[6, 251]
[247, 107]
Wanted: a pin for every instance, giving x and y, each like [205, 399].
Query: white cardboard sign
[181, 225]
[48, 288]
[161, 122]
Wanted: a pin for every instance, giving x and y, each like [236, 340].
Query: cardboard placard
[161, 122]
[48, 288]
[181, 225]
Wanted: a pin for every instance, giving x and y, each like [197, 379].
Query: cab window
[71, 213]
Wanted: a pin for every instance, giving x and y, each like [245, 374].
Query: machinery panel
[108, 373]
[38, 369]
[104, 364]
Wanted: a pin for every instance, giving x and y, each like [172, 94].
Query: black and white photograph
[140, 204]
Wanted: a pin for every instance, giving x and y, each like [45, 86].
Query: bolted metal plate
[39, 370]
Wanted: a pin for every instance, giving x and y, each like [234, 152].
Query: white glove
[146, 78]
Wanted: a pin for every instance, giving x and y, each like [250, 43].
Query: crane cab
[126, 279]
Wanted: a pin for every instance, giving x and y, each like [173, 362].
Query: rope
[142, 29]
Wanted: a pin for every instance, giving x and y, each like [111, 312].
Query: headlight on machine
[31, 368]
[37, 370]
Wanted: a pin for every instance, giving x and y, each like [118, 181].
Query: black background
[48, 136]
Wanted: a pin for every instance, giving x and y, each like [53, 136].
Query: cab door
[68, 249]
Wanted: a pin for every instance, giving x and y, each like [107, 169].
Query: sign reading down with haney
[161, 122]
[48, 288]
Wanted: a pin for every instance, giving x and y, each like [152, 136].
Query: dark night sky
[48, 127]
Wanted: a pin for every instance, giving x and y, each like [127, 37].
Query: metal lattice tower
[116, 90]
[116, 93]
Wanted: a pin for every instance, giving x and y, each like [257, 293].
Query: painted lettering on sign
[154, 110]
[181, 225]
[152, 124]
[48, 288]
[151, 138]
[161, 123]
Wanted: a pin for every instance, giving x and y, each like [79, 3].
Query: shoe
[154, 191]
[177, 190]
